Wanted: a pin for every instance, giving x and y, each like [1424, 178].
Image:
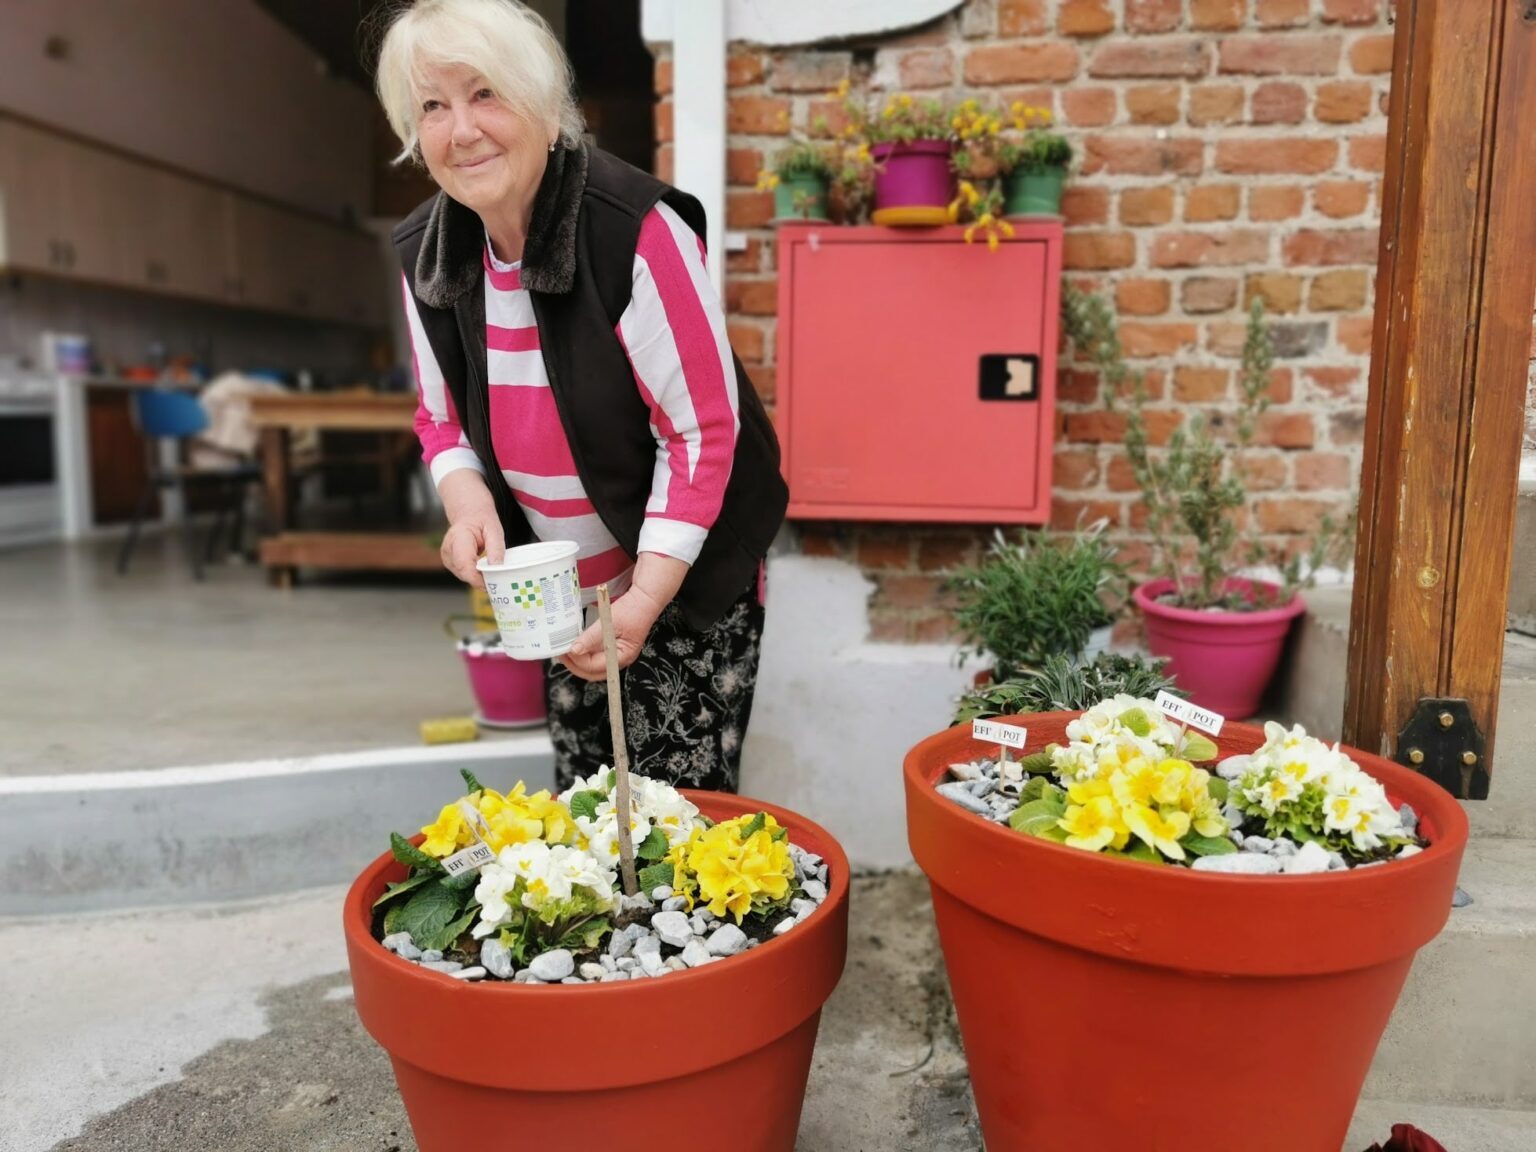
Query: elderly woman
[576, 384]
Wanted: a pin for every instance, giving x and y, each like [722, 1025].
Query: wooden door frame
[1449, 370]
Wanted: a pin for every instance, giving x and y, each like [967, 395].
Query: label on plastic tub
[1183, 712]
[1008, 735]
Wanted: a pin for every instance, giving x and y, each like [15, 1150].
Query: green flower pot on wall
[800, 197]
[1033, 193]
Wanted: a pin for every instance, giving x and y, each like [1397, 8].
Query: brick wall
[1227, 149]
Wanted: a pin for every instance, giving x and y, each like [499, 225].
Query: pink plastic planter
[914, 175]
[1223, 659]
[508, 693]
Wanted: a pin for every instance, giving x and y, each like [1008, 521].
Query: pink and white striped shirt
[673, 332]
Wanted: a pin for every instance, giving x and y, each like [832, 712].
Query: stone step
[1310, 691]
[1464, 1031]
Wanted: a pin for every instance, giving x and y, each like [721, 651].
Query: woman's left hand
[634, 614]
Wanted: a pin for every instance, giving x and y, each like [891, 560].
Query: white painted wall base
[834, 716]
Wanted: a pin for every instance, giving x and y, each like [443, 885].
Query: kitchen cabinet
[73, 210]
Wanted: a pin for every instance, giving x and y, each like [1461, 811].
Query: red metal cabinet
[916, 373]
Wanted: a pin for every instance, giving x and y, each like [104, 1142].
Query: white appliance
[32, 454]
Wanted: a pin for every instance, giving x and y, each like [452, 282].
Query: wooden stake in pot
[620, 752]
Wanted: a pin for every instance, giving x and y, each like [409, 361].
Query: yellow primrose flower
[1173, 778]
[448, 834]
[1161, 831]
[970, 233]
[767, 181]
[732, 875]
[1005, 228]
[1095, 825]
[905, 100]
[842, 89]
[1136, 783]
[1017, 107]
[1205, 814]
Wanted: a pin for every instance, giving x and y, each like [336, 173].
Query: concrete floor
[254, 1046]
[102, 672]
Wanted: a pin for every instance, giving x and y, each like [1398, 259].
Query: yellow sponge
[449, 730]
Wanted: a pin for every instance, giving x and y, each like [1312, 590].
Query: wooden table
[284, 550]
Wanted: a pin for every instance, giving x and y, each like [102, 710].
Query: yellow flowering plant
[500, 879]
[738, 867]
[1126, 784]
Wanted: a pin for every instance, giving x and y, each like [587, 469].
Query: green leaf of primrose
[471, 785]
[412, 856]
[654, 846]
[1055, 832]
[456, 928]
[430, 910]
[464, 881]
[1218, 789]
[1033, 818]
[1136, 720]
[586, 936]
[1040, 788]
[1136, 850]
[403, 887]
[585, 803]
[1208, 845]
[753, 826]
[1197, 748]
[780, 833]
[1036, 763]
[655, 875]
[392, 917]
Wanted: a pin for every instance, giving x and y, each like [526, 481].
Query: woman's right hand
[473, 526]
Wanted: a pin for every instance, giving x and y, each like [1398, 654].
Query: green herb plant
[1193, 490]
[1037, 597]
[1062, 684]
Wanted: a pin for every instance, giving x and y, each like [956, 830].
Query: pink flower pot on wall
[913, 182]
[1224, 660]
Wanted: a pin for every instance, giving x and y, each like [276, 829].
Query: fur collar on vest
[451, 262]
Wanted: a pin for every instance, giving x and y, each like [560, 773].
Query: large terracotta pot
[1109, 1004]
[1224, 660]
[621, 1065]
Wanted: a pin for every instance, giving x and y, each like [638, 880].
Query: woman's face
[480, 152]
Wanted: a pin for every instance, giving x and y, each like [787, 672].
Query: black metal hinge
[1442, 741]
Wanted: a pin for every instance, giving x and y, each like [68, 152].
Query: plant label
[1186, 713]
[467, 859]
[1008, 735]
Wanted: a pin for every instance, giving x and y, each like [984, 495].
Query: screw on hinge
[1415, 756]
[1446, 720]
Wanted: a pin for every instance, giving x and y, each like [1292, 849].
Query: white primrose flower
[571, 868]
[1099, 740]
[525, 862]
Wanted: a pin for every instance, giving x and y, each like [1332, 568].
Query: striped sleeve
[444, 447]
[674, 334]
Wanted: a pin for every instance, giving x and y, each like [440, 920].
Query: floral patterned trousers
[687, 698]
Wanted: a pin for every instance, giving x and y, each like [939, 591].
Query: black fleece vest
[578, 266]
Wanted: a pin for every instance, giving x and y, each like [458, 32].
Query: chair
[166, 415]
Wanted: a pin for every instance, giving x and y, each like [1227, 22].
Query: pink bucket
[1225, 660]
[508, 693]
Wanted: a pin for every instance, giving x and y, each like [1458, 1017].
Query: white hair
[506, 42]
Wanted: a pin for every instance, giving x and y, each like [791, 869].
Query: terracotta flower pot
[1224, 660]
[1109, 1004]
[605, 1065]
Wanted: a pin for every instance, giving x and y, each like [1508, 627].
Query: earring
[552, 144]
